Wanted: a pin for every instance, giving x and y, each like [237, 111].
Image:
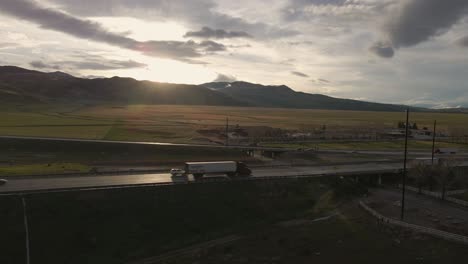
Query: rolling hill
[20, 85]
[27, 86]
[285, 97]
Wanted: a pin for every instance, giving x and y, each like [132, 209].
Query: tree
[445, 173]
[420, 173]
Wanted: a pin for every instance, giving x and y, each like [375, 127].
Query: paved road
[426, 154]
[145, 143]
[369, 152]
[47, 183]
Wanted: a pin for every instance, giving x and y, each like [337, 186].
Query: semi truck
[199, 169]
[446, 151]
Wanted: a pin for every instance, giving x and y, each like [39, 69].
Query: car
[3, 182]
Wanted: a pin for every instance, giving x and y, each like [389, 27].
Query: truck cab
[179, 176]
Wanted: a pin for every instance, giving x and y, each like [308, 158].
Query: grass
[35, 169]
[180, 123]
[463, 196]
[116, 226]
[32, 156]
[350, 238]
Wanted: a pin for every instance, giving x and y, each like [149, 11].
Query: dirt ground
[421, 210]
[351, 236]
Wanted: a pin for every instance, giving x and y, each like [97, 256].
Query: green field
[181, 123]
[33, 156]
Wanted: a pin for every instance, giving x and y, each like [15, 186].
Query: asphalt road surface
[369, 152]
[51, 182]
[145, 143]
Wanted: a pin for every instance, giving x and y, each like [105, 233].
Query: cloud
[225, 78]
[212, 46]
[463, 42]
[382, 49]
[104, 65]
[53, 19]
[415, 21]
[89, 63]
[208, 33]
[297, 43]
[300, 74]
[194, 13]
[321, 81]
[42, 65]
[7, 45]
[310, 9]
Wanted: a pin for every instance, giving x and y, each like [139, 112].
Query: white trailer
[230, 168]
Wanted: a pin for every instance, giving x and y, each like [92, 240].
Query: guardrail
[85, 174]
[420, 229]
[161, 184]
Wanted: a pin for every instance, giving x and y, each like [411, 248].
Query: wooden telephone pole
[404, 166]
[227, 131]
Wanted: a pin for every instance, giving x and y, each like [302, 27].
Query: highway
[279, 149]
[145, 143]
[39, 183]
[391, 153]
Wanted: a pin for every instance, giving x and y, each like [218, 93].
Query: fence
[420, 229]
[439, 195]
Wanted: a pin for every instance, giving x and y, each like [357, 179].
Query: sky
[394, 51]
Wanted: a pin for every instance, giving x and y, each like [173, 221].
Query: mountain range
[27, 86]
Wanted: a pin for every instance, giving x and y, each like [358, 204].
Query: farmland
[182, 124]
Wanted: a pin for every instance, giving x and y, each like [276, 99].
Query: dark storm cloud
[415, 21]
[300, 74]
[382, 49]
[225, 78]
[208, 33]
[52, 19]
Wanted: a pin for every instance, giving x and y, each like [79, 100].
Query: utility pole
[433, 142]
[227, 131]
[404, 167]
[26, 230]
